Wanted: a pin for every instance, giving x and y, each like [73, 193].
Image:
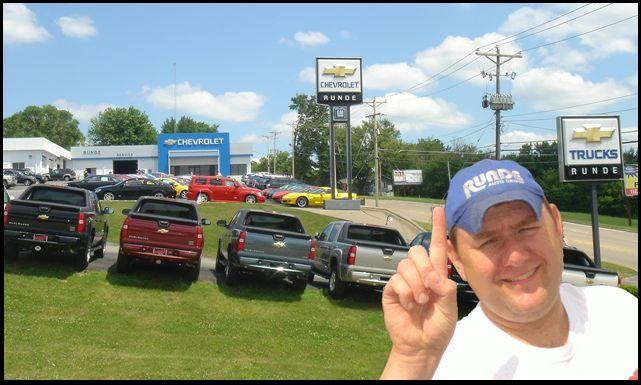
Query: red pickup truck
[217, 188]
[162, 230]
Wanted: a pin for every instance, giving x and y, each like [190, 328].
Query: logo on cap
[491, 178]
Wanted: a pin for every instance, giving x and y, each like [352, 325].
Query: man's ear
[455, 259]
[556, 216]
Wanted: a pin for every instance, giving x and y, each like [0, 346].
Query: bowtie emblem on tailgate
[387, 254]
[162, 231]
[43, 217]
[279, 244]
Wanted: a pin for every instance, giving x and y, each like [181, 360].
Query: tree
[312, 140]
[58, 126]
[187, 125]
[122, 126]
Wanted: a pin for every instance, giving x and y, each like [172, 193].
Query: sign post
[590, 151]
[339, 84]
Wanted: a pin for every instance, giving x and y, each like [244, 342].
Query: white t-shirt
[602, 343]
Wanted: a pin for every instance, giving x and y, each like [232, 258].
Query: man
[506, 241]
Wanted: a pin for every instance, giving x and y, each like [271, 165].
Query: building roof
[35, 144]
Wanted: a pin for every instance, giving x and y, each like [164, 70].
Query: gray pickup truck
[272, 243]
[350, 253]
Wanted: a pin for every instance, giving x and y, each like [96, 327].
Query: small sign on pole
[631, 180]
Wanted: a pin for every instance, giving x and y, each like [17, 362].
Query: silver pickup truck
[273, 243]
[350, 253]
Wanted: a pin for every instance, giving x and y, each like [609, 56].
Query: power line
[592, 114]
[578, 105]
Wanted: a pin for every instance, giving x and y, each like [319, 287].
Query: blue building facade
[197, 153]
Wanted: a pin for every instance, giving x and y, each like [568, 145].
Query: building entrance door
[125, 166]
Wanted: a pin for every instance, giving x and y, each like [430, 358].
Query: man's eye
[489, 242]
[528, 230]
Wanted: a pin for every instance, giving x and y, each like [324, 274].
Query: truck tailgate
[162, 231]
[379, 257]
[276, 245]
[588, 276]
[43, 217]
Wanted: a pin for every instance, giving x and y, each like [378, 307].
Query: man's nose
[514, 252]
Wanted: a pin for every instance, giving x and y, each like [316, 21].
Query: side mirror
[108, 210]
[222, 223]
[126, 211]
[205, 222]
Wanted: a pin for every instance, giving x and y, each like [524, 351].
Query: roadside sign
[589, 148]
[631, 180]
[408, 177]
[340, 113]
[339, 81]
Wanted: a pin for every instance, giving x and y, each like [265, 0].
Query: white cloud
[231, 106]
[629, 134]
[82, 112]
[620, 37]
[409, 112]
[634, 79]
[283, 124]
[518, 136]
[252, 138]
[307, 75]
[434, 60]
[546, 89]
[392, 76]
[19, 25]
[563, 57]
[310, 38]
[77, 26]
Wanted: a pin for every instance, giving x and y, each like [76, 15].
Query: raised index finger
[438, 243]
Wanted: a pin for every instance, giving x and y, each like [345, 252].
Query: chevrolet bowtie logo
[43, 217]
[163, 231]
[339, 71]
[170, 142]
[279, 245]
[592, 133]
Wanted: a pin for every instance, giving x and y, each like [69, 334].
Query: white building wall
[106, 166]
[37, 161]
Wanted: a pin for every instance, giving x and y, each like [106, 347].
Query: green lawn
[214, 211]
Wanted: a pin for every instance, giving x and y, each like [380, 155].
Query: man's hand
[419, 306]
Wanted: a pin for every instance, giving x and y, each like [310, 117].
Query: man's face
[514, 264]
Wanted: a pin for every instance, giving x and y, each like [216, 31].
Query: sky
[239, 65]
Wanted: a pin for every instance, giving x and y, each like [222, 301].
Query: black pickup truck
[56, 219]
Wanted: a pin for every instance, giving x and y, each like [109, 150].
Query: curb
[419, 228]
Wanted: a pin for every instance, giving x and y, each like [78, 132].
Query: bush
[631, 289]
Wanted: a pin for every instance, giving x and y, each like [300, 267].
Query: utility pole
[499, 102]
[294, 127]
[175, 121]
[274, 134]
[376, 160]
[267, 137]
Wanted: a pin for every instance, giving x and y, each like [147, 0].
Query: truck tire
[100, 253]
[123, 264]
[192, 273]
[231, 274]
[27, 182]
[67, 178]
[310, 278]
[336, 286]
[219, 266]
[83, 258]
[302, 202]
[299, 284]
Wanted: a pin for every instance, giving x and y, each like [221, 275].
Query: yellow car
[181, 189]
[314, 197]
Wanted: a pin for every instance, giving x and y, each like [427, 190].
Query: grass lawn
[606, 221]
[215, 211]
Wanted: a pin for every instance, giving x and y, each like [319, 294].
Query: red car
[162, 230]
[217, 188]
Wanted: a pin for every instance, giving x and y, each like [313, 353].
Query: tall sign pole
[339, 84]
[590, 151]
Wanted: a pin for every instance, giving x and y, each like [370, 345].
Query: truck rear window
[55, 195]
[275, 222]
[375, 234]
[168, 209]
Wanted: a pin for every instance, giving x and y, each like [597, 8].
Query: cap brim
[472, 218]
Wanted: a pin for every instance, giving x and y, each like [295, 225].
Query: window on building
[18, 166]
[238, 169]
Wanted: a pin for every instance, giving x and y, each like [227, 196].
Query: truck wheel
[67, 179]
[83, 257]
[299, 284]
[123, 264]
[250, 199]
[27, 182]
[336, 286]
[100, 253]
[183, 194]
[231, 274]
[219, 266]
[310, 278]
[302, 202]
[192, 273]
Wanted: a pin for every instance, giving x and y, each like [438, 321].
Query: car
[578, 269]
[57, 219]
[161, 230]
[40, 178]
[21, 177]
[217, 188]
[135, 188]
[92, 182]
[278, 195]
[180, 188]
[9, 180]
[65, 174]
[315, 197]
[160, 174]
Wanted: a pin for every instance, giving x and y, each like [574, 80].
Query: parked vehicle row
[216, 188]
[20, 177]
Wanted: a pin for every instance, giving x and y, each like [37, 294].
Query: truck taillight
[619, 280]
[312, 249]
[81, 223]
[200, 240]
[6, 213]
[351, 256]
[240, 243]
[124, 233]
[449, 268]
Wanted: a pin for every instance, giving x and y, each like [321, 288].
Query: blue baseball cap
[475, 189]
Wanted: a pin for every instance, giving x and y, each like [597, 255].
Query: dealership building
[37, 154]
[178, 154]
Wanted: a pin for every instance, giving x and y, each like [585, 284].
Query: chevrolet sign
[194, 142]
[339, 81]
[589, 149]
